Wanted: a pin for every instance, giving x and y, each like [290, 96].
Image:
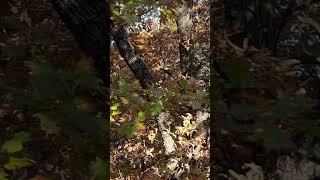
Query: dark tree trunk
[130, 56]
[87, 20]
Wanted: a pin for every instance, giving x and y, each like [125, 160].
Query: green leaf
[17, 163]
[165, 15]
[155, 109]
[173, 27]
[115, 13]
[130, 18]
[47, 124]
[112, 120]
[184, 84]
[135, 98]
[16, 143]
[141, 115]
[196, 105]
[125, 101]
[114, 107]
[139, 125]
[124, 88]
[200, 95]
[130, 5]
[237, 70]
[114, 113]
[127, 130]
[99, 169]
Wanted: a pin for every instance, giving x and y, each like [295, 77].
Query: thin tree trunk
[191, 61]
[130, 56]
[183, 18]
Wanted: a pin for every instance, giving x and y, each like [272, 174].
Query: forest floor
[138, 150]
[141, 155]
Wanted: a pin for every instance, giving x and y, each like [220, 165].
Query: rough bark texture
[87, 20]
[164, 121]
[130, 56]
[182, 14]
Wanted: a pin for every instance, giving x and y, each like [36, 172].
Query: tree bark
[130, 56]
[183, 18]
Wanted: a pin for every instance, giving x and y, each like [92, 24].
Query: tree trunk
[191, 60]
[183, 18]
[130, 56]
[87, 20]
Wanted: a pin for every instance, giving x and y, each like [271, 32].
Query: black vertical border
[212, 85]
[216, 24]
[107, 119]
